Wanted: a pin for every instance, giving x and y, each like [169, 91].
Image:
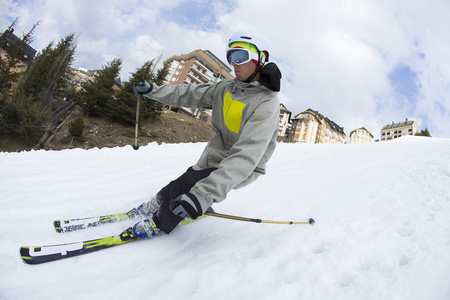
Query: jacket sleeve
[247, 157]
[184, 95]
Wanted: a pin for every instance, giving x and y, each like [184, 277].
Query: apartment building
[199, 66]
[396, 130]
[312, 127]
[82, 75]
[285, 118]
[360, 135]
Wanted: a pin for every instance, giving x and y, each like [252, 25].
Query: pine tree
[10, 70]
[149, 108]
[19, 112]
[76, 127]
[24, 117]
[103, 97]
[50, 73]
[97, 95]
[424, 133]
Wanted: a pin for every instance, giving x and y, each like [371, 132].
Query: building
[26, 52]
[360, 135]
[81, 76]
[196, 67]
[199, 66]
[312, 127]
[285, 118]
[396, 130]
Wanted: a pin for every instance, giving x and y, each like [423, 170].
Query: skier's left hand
[171, 214]
[142, 87]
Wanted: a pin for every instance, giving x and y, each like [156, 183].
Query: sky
[360, 63]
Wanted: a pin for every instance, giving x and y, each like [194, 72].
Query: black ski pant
[173, 190]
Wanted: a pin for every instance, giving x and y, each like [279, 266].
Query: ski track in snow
[382, 229]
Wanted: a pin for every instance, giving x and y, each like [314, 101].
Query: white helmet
[254, 38]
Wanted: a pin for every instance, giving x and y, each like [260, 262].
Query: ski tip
[312, 221]
[25, 255]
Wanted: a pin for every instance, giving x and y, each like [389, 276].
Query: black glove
[142, 87]
[171, 214]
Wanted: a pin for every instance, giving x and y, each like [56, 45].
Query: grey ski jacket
[245, 120]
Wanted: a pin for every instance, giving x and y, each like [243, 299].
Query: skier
[245, 116]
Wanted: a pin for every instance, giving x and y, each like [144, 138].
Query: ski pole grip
[142, 87]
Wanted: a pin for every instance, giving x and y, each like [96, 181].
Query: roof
[314, 113]
[200, 54]
[319, 117]
[26, 51]
[397, 125]
[283, 108]
[218, 61]
[359, 129]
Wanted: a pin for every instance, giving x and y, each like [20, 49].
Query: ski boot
[148, 209]
[145, 229]
[144, 210]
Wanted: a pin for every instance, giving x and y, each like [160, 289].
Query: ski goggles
[240, 56]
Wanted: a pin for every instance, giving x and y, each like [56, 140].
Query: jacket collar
[270, 79]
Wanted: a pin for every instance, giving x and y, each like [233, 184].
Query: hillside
[169, 128]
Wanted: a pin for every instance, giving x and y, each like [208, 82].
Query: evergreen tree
[19, 112]
[149, 108]
[24, 117]
[97, 95]
[10, 62]
[103, 97]
[76, 127]
[50, 73]
[424, 133]
[162, 74]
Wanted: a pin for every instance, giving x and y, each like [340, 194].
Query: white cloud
[336, 56]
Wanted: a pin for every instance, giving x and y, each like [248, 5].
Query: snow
[382, 229]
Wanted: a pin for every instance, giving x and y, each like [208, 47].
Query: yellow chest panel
[232, 113]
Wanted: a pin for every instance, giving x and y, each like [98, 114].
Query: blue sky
[405, 83]
[196, 15]
[361, 63]
[406, 87]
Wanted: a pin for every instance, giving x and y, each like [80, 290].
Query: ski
[34, 255]
[69, 225]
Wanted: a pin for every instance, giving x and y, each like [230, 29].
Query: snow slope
[382, 230]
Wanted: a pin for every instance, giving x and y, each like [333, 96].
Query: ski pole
[214, 214]
[140, 88]
[136, 146]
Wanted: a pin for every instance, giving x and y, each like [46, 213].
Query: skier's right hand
[170, 214]
[142, 87]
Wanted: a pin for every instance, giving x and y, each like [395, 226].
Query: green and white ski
[70, 225]
[34, 255]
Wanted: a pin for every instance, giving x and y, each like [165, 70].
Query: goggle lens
[238, 56]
